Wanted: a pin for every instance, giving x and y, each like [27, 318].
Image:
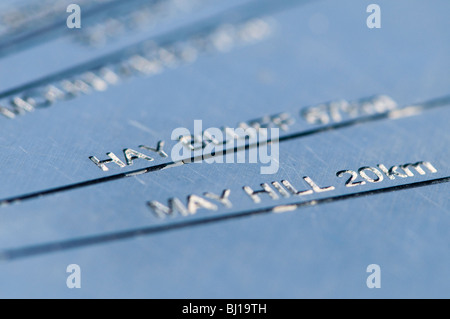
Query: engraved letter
[223, 199]
[131, 155]
[162, 211]
[294, 191]
[418, 168]
[195, 202]
[102, 164]
[158, 149]
[254, 194]
[315, 187]
[362, 172]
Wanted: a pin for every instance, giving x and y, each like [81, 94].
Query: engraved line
[439, 102]
[28, 251]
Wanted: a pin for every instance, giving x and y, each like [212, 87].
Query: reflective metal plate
[363, 118]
